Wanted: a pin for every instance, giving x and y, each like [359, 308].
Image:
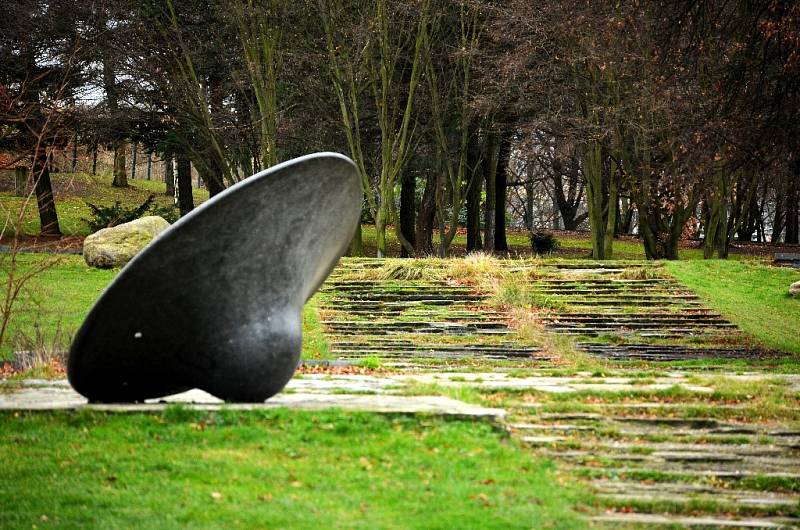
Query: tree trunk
[474, 215]
[169, 174]
[780, 216]
[750, 215]
[501, 179]
[44, 195]
[380, 231]
[426, 218]
[721, 243]
[75, 152]
[490, 174]
[627, 218]
[94, 160]
[474, 196]
[674, 241]
[20, 180]
[408, 193]
[596, 198]
[185, 199]
[792, 213]
[120, 173]
[213, 182]
[528, 214]
[357, 243]
[716, 229]
[611, 213]
[134, 156]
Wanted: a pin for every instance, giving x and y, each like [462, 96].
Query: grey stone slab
[643, 519]
[305, 395]
[681, 491]
[216, 300]
[704, 473]
[554, 384]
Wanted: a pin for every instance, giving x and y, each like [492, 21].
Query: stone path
[655, 451]
[415, 322]
[311, 392]
[634, 311]
[657, 456]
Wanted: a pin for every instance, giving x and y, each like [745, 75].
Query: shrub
[169, 213]
[106, 216]
[40, 350]
[370, 362]
[543, 243]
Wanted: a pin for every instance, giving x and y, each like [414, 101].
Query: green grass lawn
[72, 190]
[55, 300]
[270, 469]
[752, 295]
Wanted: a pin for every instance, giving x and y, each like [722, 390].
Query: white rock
[115, 246]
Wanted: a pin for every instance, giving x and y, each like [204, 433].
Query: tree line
[661, 118]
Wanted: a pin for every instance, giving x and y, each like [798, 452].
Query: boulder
[116, 245]
[794, 289]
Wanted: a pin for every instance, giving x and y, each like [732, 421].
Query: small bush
[543, 243]
[371, 362]
[40, 350]
[106, 216]
[169, 213]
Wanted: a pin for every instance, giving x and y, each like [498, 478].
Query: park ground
[634, 393]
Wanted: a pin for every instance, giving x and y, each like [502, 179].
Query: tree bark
[20, 180]
[48, 216]
[601, 177]
[134, 156]
[474, 215]
[792, 207]
[213, 182]
[75, 152]
[750, 214]
[408, 193]
[426, 218]
[169, 174]
[185, 199]
[780, 216]
[357, 243]
[501, 180]
[490, 175]
[474, 197]
[120, 173]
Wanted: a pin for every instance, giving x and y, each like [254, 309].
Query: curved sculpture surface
[215, 302]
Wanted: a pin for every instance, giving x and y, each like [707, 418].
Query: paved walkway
[309, 393]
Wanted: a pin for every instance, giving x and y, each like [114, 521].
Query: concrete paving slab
[552, 384]
[58, 395]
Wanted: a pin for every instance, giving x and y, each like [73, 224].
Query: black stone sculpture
[215, 302]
